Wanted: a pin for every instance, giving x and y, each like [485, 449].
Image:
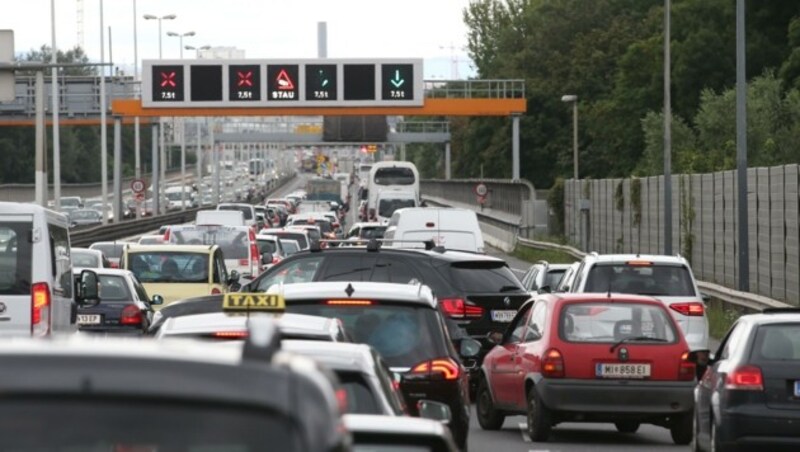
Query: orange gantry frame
[64, 121]
[433, 107]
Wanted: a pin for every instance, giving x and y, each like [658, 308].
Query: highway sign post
[137, 186]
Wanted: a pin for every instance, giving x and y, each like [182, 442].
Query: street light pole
[576, 209]
[667, 129]
[56, 128]
[137, 148]
[741, 148]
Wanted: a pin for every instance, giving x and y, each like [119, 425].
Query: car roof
[335, 355]
[367, 224]
[402, 425]
[289, 324]
[278, 230]
[167, 247]
[439, 254]
[772, 318]
[359, 290]
[266, 237]
[24, 207]
[105, 271]
[621, 258]
[85, 250]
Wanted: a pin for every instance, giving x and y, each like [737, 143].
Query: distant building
[224, 53]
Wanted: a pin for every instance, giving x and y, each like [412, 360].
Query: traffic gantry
[281, 83]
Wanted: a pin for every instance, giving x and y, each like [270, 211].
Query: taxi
[99, 380]
[237, 310]
[179, 271]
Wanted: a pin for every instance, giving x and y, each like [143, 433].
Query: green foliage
[687, 217]
[555, 200]
[536, 255]
[636, 200]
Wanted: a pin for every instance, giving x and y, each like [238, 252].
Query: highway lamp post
[572, 98]
[199, 152]
[182, 122]
[741, 149]
[159, 179]
[667, 129]
[56, 128]
[137, 148]
[103, 125]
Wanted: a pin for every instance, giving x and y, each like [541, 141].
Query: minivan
[453, 229]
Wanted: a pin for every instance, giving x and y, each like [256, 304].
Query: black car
[477, 293]
[749, 396]
[124, 307]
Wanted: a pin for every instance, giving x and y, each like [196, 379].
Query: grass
[534, 255]
[720, 318]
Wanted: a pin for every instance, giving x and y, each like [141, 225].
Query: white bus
[391, 177]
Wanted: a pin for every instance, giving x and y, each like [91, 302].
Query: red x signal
[245, 79]
[168, 79]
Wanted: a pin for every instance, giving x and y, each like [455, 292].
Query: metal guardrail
[475, 89]
[735, 297]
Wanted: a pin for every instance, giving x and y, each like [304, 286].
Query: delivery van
[453, 229]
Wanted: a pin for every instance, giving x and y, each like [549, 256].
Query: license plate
[797, 388]
[85, 319]
[504, 315]
[608, 370]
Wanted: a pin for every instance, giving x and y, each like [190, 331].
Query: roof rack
[429, 244]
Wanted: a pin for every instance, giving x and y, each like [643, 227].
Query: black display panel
[206, 83]
[321, 82]
[244, 82]
[283, 82]
[359, 82]
[397, 82]
[167, 83]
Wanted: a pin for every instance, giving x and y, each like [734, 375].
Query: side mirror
[469, 348]
[437, 411]
[157, 300]
[700, 357]
[233, 277]
[495, 337]
[88, 290]
[266, 258]
[706, 297]
[544, 289]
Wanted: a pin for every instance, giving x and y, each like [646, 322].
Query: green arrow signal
[323, 79]
[397, 81]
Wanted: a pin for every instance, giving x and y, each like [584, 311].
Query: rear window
[552, 278]
[372, 232]
[15, 258]
[289, 247]
[267, 246]
[484, 277]
[403, 334]
[39, 425]
[300, 238]
[386, 207]
[654, 280]
[611, 322]
[167, 267]
[234, 242]
[83, 259]
[112, 250]
[114, 288]
[394, 176]
[360, 396]
[778, 342]
[246, 210]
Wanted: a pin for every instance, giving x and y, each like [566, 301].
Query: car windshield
[84, 215]
[246, 210]
[404, 334]
[113, 288]
[235, 242]
[84, 259]
[777, 342]
[603, 322]
[39, 425]
[290, 246]
[112, 250]
[372, 232]
[169, 266]
[386, 207]
[70, 202]
[484, 277]
[649, 279]
[176, 196]
[394, 176]
[299, 237]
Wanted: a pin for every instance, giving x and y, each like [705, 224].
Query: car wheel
[488, 417]
[682, 429]
[627, 426]
[539, 417]
[716, 445]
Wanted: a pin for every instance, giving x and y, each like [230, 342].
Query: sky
[430, 29]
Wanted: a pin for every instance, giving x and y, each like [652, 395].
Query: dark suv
[477, 293]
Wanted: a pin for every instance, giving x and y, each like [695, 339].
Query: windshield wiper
[635, 339]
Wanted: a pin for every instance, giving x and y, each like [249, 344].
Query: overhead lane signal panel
[244, 82]
[283, 82]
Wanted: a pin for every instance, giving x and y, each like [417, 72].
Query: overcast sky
[263, 28]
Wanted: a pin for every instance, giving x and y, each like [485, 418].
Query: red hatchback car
[589, 358]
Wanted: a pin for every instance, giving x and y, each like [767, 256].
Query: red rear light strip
[691, 308]
[445, 367]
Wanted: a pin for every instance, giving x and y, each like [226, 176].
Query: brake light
[553, 364]
[639, 263]
[457, 308]
[215, 291]
[341, 400]
[166, 235]
[40, 304]
[444, 367]
[687, 369]
[131, 315]
[244, 261]
[692, 308]
[745, 378]
[114, 265]
[229, 334]
[349, 302]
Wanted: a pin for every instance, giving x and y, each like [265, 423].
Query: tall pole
[137, 148]
[41, 162]
[162, 151]
[103, 128]
[56, 129]
[576, 209]
[322, 39]
[741, 147]
[515, 146]
[447, 173]
[199, 156]
[183, 164]
[117, 169]
[667, 129]
[154, 169]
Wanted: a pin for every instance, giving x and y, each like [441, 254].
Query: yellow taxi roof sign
[253, 302]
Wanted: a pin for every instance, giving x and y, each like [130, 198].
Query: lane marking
[523, 426]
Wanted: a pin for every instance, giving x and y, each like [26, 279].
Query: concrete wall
[704, 213]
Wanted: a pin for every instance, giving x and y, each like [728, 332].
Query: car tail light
[444, 367]
[457, 308]
[131, 315]
[229, 334]
[639, 263]
[215, 291]
[687, 369]
[553, 364]
[745, 378]
[40, 305]
[692, 308]
[349, 303]
[341, 400]
[166, 235]
[114, 265]
[275, 259]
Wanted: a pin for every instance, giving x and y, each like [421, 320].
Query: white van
[247, 209]
[36, 282]
[389, 201]
[179, 197]
[454, 229]
[220, 217]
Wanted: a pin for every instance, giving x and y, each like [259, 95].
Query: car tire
[539, 417]
[627, 426]
[488, 417]
[716, 444]
[682, 429]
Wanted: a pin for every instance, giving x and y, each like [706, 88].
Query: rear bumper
[614, 398]
[755, 425]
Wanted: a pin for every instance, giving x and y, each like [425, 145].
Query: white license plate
[615, 370]
[504, 315]
[85, 319]
[797, 388]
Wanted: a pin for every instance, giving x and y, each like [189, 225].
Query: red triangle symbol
[283, 81]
